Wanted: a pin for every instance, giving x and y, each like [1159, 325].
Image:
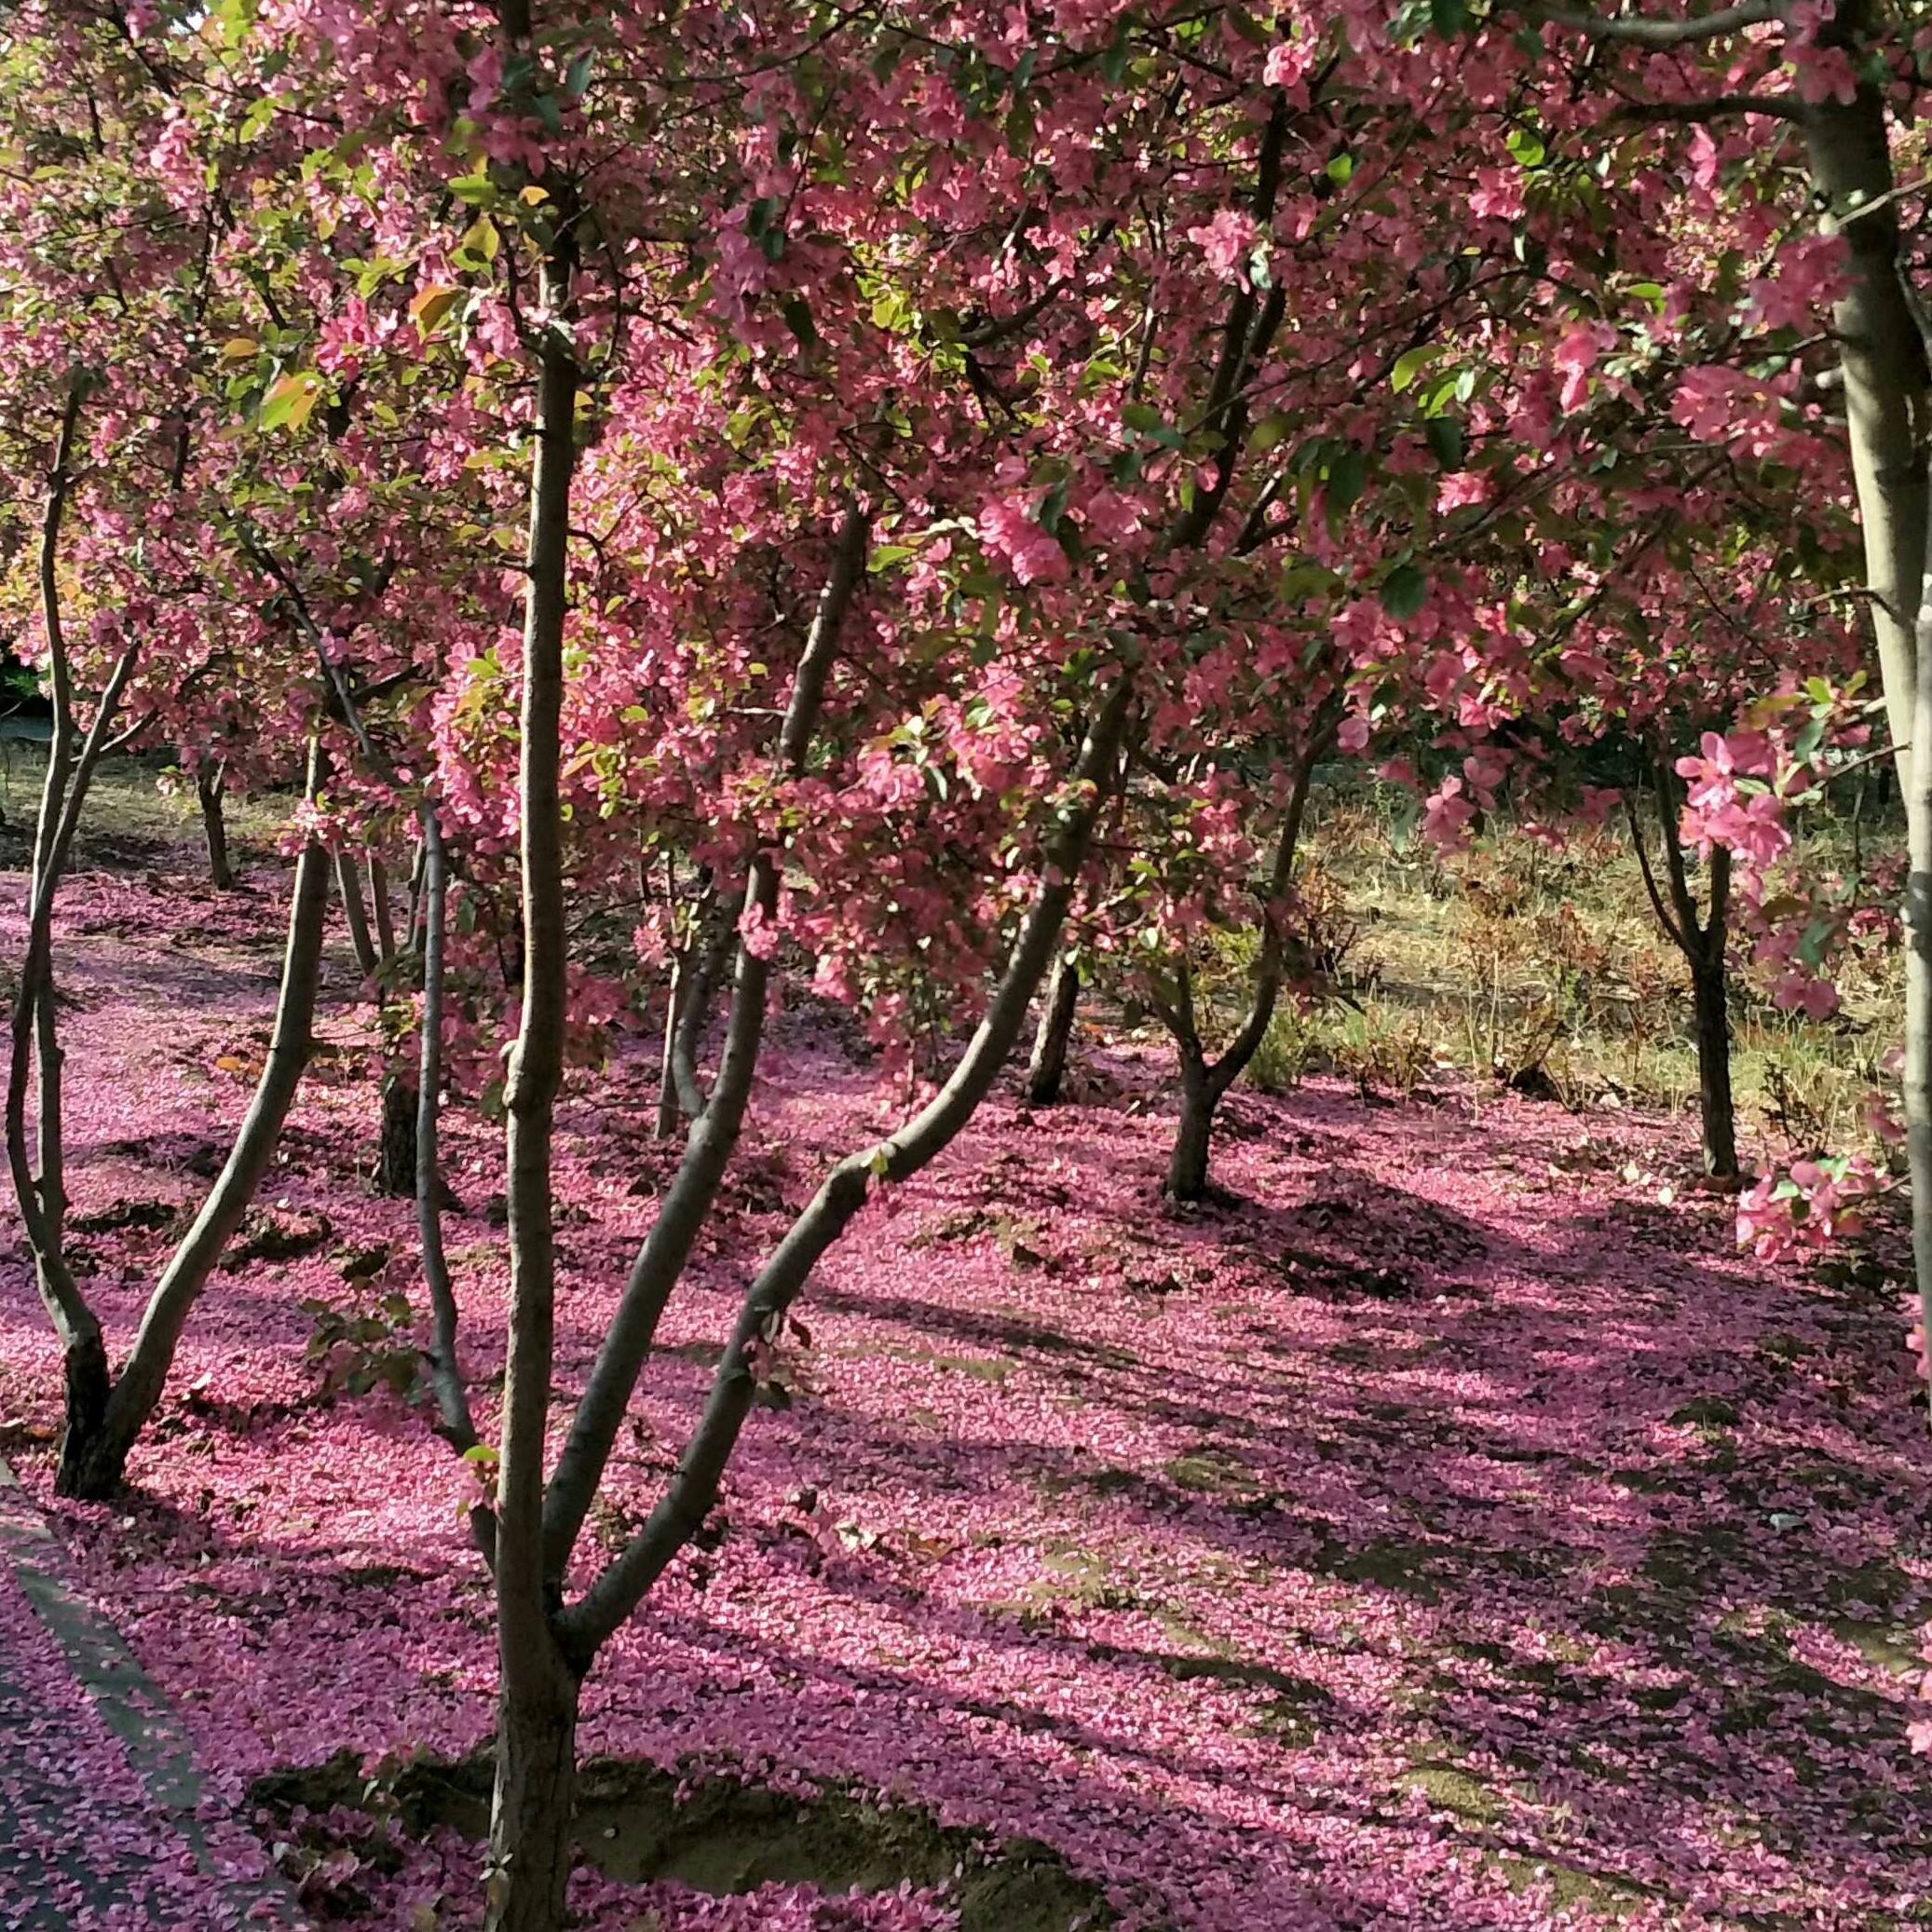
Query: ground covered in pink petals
[1439, 1531]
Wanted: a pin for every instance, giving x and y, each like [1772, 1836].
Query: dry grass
[1514, 959]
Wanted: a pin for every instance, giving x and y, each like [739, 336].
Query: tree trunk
[1918, 972]
[395, 1163]
[91, 1464]
[1709, 998]
[1187, 1165]
[379, 905]
[666, 1123]
[1048, 1066]
[530, 1814]
[354, 915]
[536, 1794]
[1884, 358]
[445, 1361]
[210, 787]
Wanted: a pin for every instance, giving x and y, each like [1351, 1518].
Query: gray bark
[354, 914]
[531, 1805]
[210, 788]
[92, 1467]
[717, 1121]
[693, 1488]
[446, 1364]
[1047, 1069]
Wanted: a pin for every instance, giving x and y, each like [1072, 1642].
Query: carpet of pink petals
[1443, 1530]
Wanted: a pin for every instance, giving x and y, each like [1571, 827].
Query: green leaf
[1270, 431]
[1444, 434]
[887, 554]
[480, 243]
[1528, 149]
[432, 304]
[1449, 17]
[1341, 167]
[1348, 476]
[1403, 591]
[1143, 416]
[287, 403]
[1410, 364]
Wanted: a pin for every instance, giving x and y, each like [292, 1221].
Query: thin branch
[1642, 30]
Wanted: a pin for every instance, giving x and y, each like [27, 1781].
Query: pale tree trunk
[1047, 1069]
[1918, 971]
[210, 786]
[354, 915]
[1883, 353]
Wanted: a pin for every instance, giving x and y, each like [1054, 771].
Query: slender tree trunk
[445, 1360]
[91, 1465]
[1710, 1002]
[379, 903]
[353, 913]
[1186, 1163]
[1048, 1067]
[666, 1123]
[530, 1813]
[35, 1055]
[395, 1162]
[1918, 971]
[210, 787]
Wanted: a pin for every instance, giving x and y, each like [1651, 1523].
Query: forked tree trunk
[1203, 1083]
[531, 1806]
[1048, 1067]
[1704, 939]
[94, 1451]
[210, 788]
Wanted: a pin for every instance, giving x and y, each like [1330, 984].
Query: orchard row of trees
[916, 489]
